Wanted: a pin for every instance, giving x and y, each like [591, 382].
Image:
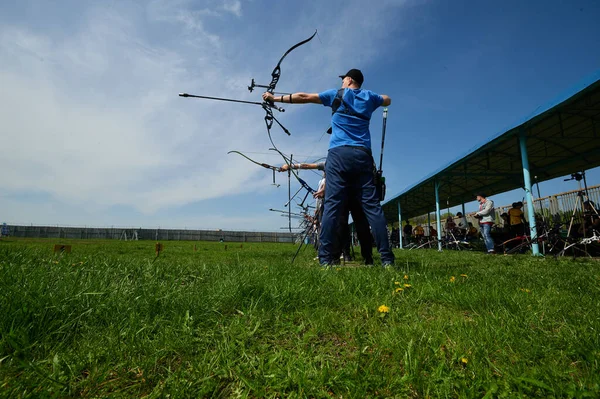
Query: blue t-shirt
[348, 129]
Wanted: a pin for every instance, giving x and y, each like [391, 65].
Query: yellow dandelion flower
[525, 290]
[396, 283]
[398, 289]
[464, 360]
[407, 285]
[383, 309]
[464, 275]
[452, 279]
[406, 276]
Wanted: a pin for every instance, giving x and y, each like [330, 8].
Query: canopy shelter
[557, 139]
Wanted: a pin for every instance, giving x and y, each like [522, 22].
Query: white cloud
[91, 117]
[96, 118]
[234, 7]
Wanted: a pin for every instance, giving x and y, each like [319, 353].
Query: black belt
[357, 147]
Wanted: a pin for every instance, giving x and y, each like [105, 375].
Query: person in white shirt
[461, 223]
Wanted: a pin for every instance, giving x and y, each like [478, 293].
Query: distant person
[419, 233]
[395, 237]
[591, 220]
[407, 231]
[517, 219]
[486, 220]
[449, 226]
[319, 198]
[432, 232]
[505, 222]
[471, 232]
[461, 222]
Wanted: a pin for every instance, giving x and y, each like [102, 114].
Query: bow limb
[276, 74]
[264, 165]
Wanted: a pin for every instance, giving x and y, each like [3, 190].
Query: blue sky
[95, 134]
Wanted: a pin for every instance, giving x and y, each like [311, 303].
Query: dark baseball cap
[356, 75]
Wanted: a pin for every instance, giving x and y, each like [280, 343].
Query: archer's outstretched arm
[320, 166]
[294, 98]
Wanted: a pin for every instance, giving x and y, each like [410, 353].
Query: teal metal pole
[438, 215]
[429, 224]
[400, 224]
[535, 248]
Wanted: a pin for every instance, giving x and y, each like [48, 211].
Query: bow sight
[253, 85]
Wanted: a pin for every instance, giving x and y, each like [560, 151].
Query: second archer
[361, 224]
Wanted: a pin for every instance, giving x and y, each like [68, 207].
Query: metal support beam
[527, 179]
[507, 174]
[400, 224]
[429, 224]
[438, 215]
[547, 169]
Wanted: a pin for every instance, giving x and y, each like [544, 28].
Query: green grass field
[107, 321]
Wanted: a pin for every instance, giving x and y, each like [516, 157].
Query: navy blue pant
[349, 172]
[363, 233]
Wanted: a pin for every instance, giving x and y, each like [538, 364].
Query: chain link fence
[127, 233]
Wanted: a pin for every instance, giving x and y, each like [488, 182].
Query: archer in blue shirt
[349, 166]
[350, 123]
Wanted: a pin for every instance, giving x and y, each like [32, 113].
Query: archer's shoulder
[368, 93]
[327, 97]
[370, 96]
[328, 93]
